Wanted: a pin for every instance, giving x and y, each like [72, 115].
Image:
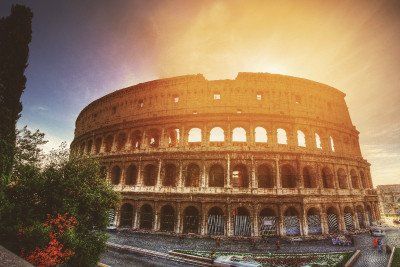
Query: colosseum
[260, 155]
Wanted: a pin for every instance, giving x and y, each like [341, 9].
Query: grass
[396, 258]
[336, 259]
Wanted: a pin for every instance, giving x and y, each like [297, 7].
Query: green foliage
[64, 185]
[396, 258]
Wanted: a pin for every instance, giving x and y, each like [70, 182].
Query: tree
[15, 36]
[67, 186]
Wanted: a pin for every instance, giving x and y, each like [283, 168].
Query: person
[380, 245]
[278, 244]
[375, 242]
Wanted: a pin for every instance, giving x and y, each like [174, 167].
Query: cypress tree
[15, 36]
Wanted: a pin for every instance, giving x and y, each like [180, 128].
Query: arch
[301, 138]
[333, 220]
[146, 217]
[342, 179]
[216, 177]
[240, 176]
[170, 173]
[126, 216]
[241, 222]
[265, 176]
[268, 222]
[215, 221]
[173, 135]
[217, 135]
[153, 138]
[131, 175]
[318, 143]
[150, 175]
[194, 135]
[239, 135]
[281, 136]
[136, 139]
[332, 144]
[291, 221]
[97, 144]
[192, 177]
[314, 222]
[348, 219]
[191, 219]
[309, 178]
[288, 176]
[115, 175]
[167, 218]
[327, 178]
[364, 182]
[121, 141]
[354, 179]
[260, 135]
[108, 143]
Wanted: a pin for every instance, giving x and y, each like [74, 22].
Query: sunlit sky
[82, 50]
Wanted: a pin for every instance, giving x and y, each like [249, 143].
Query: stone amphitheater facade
[262, 154]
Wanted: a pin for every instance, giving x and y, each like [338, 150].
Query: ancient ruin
[262, 154]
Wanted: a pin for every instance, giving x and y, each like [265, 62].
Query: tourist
[375, 242]
[380, 245]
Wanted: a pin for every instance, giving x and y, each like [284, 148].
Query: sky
[82, 50]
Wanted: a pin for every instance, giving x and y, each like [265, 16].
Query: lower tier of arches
[246, 218]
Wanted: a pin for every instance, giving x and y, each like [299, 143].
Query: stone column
[180, 177]
[158, 182]
[278, 182]
[114, 143]
[102, 145]
[204, 175]
[117, 216]
[255, 221]
[324, 222]
[280, 222]
[139, 175]
[303, 221]
[254, 182]
[203, 226]
[178, 228]
[136, 218]
[228, 170]
[156, 224]
[229, 222]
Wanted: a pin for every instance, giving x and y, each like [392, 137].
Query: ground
[164, 243]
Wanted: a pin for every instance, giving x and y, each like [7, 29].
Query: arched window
[136, 139]
[169, 175]
[150, 175]
[215, 221]
[364, 182]
[239, 135]
[309, 178]
[327, 178]
[194, 135]
[216, 176]
[265, 176]
[242, 222]
[260, 135]
[281, 136]
[288, 176]
[332, 144]
[301, 139]
[318, 141]
[268, 222]
[191, 218]
[342, 179]
[167, 220]
[314, 222]
[146, 217]
[153, 137]
[115, 175]
[217, 134]
[192, 175]
[333, 220]
[131, 175]
[97, 145]
[354, 179]
[348, 219]
[109, 143]
[291, 222]
[126, 215]
[240, 177]
[121, 140]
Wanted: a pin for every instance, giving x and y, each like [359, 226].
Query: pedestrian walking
[380, 246]
[375, 242]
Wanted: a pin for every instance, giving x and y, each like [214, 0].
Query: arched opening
[194, 135]
[342, 179]
[360, 216]
[89, 146]
[150, 175]
[215, 222]
[265, 176]
[309, 178]
[153, 138]
[169, 175]
[291, 222]
[173, 135]
[369, 215]
[364, 181]
[242, 222]
[115, 175]
[136, 139]
[281, 136]
[318, 143]
[288, 176]
[333, 220]
[97, 144]
[126, 217]
[332, 144]
[217, 134]
[146, 217]
[301, 139]
[348, 219]
[314, 222]
[239, 135]
[327, 178]
[216, 176]
[131, 175]
[192, 178]
[167, 218]
[260, 135]
[268, 222]
[354, 179]
[121, 141]
[240, 177]
[191, 220]
[109, 143]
